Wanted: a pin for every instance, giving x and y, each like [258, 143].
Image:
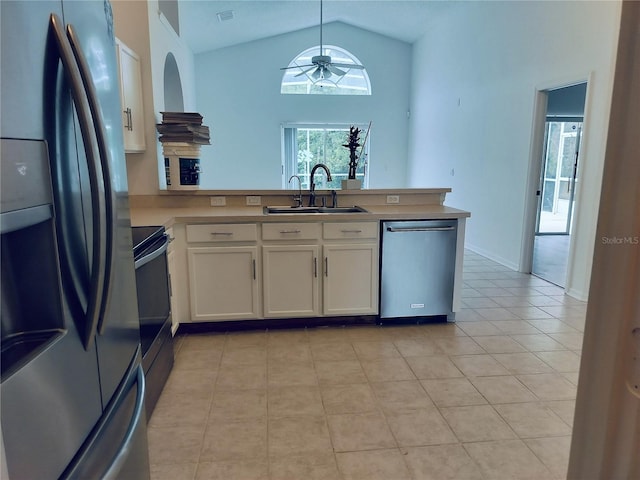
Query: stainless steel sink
[309, 210]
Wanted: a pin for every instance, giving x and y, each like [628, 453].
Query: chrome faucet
[297, 198]
[312, 189]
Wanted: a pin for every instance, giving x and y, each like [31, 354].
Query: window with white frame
[303, 146]
[301, 80]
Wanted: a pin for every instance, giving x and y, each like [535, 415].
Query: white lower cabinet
[223, 283]
[350, 281]
[290, 280]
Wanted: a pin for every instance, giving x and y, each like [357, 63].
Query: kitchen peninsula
[234, 265]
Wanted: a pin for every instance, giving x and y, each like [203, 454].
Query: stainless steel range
[154, 308]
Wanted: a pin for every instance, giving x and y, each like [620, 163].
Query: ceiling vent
[225, 16]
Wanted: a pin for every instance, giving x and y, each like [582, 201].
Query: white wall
[238, 93]
[475, 74]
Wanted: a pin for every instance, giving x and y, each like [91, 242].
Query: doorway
[558, 181]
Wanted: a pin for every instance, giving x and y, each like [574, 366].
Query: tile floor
[489, 397]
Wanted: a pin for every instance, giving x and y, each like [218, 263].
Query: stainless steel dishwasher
[417, 268]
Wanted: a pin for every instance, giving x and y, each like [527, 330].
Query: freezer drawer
[417, 268]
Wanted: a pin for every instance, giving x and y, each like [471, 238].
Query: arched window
[301, 80]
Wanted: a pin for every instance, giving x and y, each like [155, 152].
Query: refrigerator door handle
[105, 162]
[123, 452]
[96, 293]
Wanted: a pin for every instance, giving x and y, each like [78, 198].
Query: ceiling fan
[322, 65]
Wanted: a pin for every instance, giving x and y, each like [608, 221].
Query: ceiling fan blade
[316, 75]
[348, 65]
[335, 70]
[297, 66]
[305, 71]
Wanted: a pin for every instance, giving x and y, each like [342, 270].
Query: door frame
[536, 150]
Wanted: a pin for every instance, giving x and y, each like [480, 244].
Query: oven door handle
[155, 253]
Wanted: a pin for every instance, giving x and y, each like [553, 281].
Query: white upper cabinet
[131, 98]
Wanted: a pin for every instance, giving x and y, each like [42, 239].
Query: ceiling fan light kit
[322, 66]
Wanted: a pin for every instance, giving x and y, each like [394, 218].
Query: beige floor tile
[406, 332]
[538, 342]
[565, 409]
[340, 372]
[283, 374]
[294, 400]
[387, 369]
[298, 435]
[517, 363]
[242, 377]
[477, 423]
[479, 302]
[420, 427]
[246, 339]
[181, 409]
[515, 327]
[531, 420]
[294, 353]
[507, 460]
[238, 470]
[458, 345]
[366, 334]
[518, 300]
[333, 351]
[328, 335]
[553, 452]
[404, 395]
[417, 347]
[434, 366]
[503, 389]
[552, 325]
[354, 398]
[478, 328]
[572, 341]
[439, 330]
[450, 392]
[227, 441]
[252, 355]
[313, 466]
[230, 405]
[363, 431]
[572, 377]
[549, 386]
[468, 314]
[173, 471]
[561, 360]
[498, 314]
[442, 462]
[375, 350]
[284, 337]
[190, 381]
[529, 312]
[478, 365]
[202, 341]
[499, 344]
[198, 359]
[170, 444]
[373, 465]
[543, 301]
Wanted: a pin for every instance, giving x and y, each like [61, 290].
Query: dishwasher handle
[420, 229]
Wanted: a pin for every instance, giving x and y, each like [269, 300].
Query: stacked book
[183, 127]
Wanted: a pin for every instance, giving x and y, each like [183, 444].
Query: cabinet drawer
[345, 230]
[290, 231]
[244, 232]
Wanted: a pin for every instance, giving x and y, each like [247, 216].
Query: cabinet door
[223, 283]
[350, 279]
[175, 309]
[290, 280]
[131, 99]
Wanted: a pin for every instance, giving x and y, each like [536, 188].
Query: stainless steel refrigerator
[72, 388]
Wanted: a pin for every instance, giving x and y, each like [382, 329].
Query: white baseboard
[492, 256]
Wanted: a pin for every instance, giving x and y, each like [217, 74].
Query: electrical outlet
[218, 201]
[393, 198]
[254, 200]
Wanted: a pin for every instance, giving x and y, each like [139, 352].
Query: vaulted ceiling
[404, 20]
